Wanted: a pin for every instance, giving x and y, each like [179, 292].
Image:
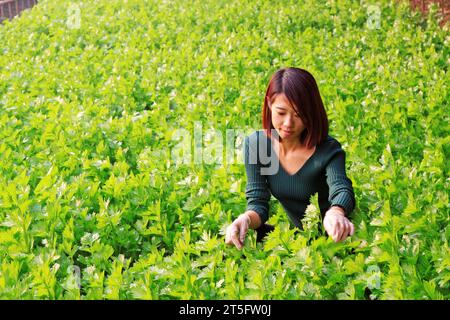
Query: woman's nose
[288, 121]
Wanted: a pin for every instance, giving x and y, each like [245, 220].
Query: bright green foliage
[91, 206]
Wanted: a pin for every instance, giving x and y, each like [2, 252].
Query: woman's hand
[337, 225]
[237, 230]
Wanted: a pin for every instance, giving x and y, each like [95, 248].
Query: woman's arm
[338, 208]
[256, 191]
[341, 194]
[255, 220]
[341, 198]
[257, 194]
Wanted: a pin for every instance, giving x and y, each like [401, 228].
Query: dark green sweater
[323, 172]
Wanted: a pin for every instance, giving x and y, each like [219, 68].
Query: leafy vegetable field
[92, 94]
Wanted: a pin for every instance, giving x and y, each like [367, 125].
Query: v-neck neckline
[281, 166]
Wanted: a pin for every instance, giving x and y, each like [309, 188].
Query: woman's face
[284, 119]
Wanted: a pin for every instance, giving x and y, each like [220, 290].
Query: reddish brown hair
[300, 88]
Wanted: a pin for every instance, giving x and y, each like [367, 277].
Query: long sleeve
[340, 186]
[257, 190]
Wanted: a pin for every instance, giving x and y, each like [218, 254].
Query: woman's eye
[282, 114]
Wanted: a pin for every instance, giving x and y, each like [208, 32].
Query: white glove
[237, 230]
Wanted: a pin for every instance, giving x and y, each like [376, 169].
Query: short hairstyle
[300, 88]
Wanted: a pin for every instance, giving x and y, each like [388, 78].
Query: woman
[303, 160]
